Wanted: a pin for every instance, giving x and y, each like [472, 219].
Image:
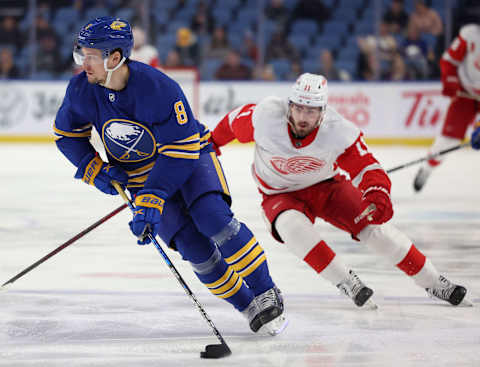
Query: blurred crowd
[230, 40]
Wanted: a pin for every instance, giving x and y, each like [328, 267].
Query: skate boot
[447, 291]
[265, 313]
[354, 288]
[421, 177]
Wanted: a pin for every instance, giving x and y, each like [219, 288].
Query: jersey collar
[302, 143]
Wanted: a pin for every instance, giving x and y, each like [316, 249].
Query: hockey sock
[211, 268]
[302, 239]
[398, 248]
[244, 254]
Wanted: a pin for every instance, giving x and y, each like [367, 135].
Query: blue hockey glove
[475, 140]
[93, 171]
[146, 217]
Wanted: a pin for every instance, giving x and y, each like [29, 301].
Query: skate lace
[251, 311]
[267, 299]
[352, 285]
[443, 290]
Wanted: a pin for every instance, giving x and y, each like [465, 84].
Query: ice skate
[449, 292]
[265, 313]
[421, 177]
[354, 288]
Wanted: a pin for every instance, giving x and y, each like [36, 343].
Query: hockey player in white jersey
[460, 68]
[301, 147]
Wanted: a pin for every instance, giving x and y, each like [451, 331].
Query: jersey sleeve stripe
[85, 133]
[359, 177]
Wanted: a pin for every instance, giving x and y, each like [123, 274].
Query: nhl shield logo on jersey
[297, 165]
[128, 141]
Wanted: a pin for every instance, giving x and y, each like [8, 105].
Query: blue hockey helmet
[106, 34]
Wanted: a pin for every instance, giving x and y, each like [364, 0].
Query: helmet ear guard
[310, 90]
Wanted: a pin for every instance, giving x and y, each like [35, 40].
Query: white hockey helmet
[310, 90]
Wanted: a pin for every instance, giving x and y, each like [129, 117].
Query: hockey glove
[475, 140]
[215, 147]
[93, 171]
[146, 217]
[379, 196]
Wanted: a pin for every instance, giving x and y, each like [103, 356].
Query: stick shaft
[430, 156]
[66, 244]
[173, 268]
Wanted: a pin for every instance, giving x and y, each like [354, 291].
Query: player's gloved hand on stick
[93, 171]
[379, 196]
[147, 214]
[475, 140]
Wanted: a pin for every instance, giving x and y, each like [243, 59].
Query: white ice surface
[104, 301]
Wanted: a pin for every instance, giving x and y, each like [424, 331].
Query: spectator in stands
[368, 65]
[277, 12]
[202, 22]
[172, 60]
[48, 57]
[310, 9]
[219, 46]
[142, 51]
[9, 33]
[232, 68]
[327, 66]
[249, 47]
[425, 20]
[396, 17]
[398, 71]
[265, 72]
[8, 69]
[280, 48]
[295, 71]
[187, 47]
[43, 28]
[415, 52]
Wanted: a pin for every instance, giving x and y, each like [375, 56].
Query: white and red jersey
[463, 59]
[283, 163]
[146, 54]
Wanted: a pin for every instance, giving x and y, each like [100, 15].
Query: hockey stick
[64, 245]
[211, 350]
[430, 156]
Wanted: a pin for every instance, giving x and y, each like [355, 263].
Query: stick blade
[215, 351]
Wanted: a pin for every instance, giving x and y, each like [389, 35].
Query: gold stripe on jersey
[220, 175]
[188, 148]
[83, 132]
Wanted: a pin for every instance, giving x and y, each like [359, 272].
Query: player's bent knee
[387, 241]
[297, 231]
[227, 232]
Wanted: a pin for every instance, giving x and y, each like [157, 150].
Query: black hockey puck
[215, 351]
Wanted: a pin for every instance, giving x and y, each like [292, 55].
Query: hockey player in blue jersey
[161, 154]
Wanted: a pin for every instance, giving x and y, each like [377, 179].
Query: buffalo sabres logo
[118, 25]
[128, 141]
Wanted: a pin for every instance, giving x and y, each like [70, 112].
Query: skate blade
[465, 303]
[274, 327]
[370, 305]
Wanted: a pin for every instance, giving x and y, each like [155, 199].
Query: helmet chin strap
[110, 71]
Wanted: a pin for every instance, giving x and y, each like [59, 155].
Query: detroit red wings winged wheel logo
[296, 165]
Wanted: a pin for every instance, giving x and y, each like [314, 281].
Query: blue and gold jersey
[147, 128]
